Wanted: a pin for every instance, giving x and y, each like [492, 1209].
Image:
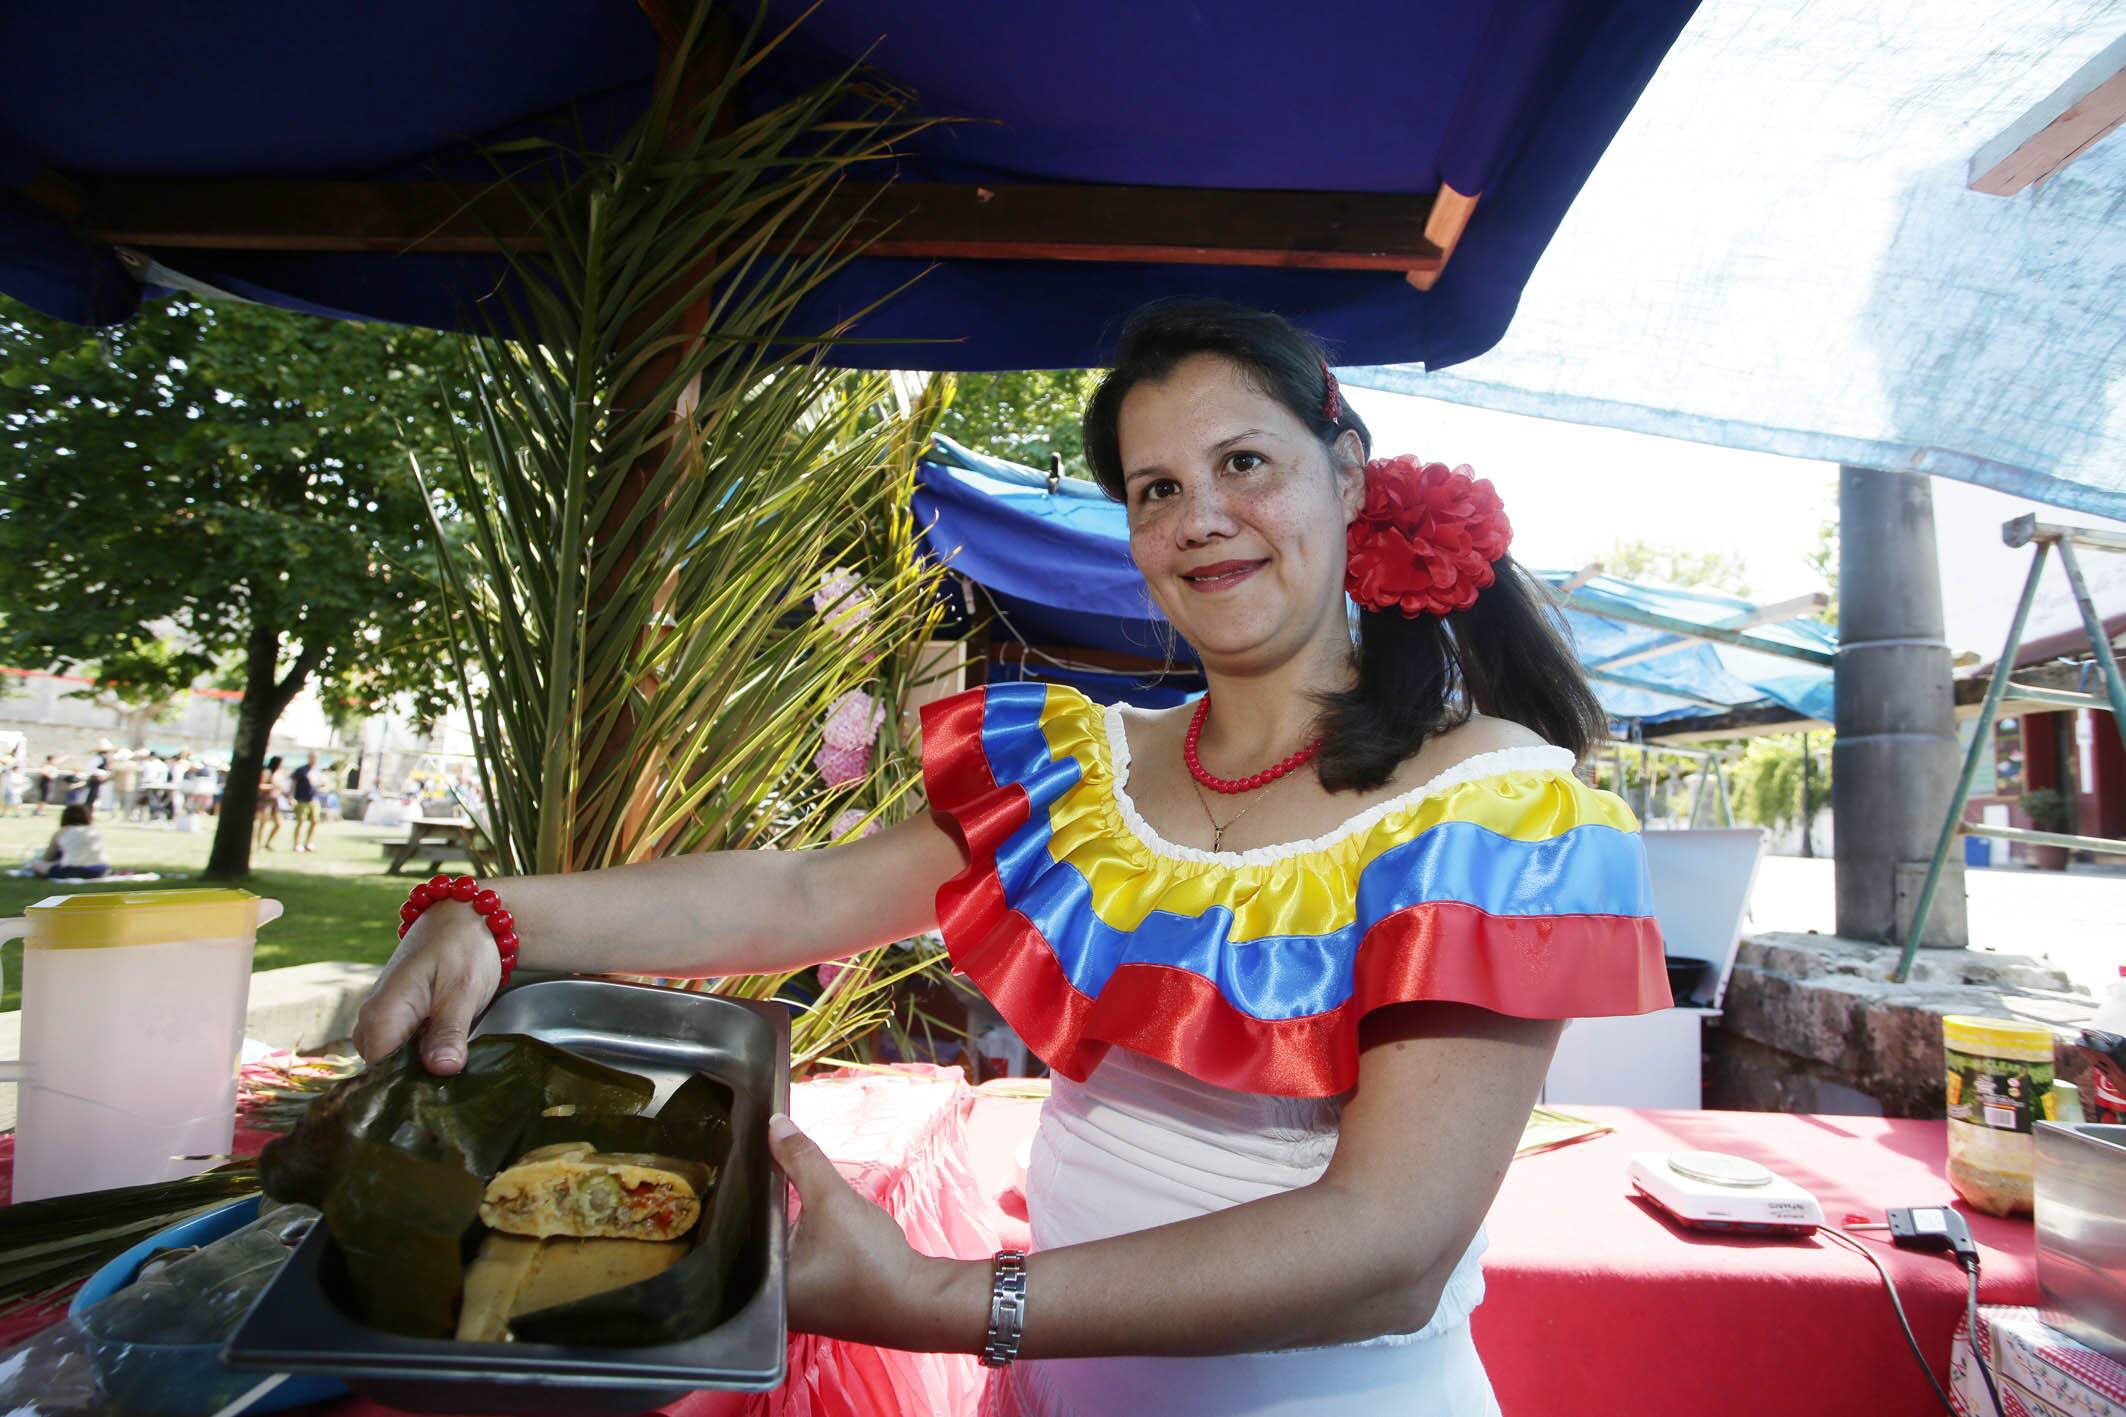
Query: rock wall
[1813, 1024]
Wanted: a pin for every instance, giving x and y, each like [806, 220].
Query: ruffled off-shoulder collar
[1532, 758]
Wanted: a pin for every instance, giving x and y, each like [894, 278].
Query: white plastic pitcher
[132, 1024]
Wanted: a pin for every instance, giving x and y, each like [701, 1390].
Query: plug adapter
[1934, 1227]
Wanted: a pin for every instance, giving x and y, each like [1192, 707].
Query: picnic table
[440, 839]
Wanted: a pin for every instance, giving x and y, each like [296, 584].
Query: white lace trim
[1542, 758]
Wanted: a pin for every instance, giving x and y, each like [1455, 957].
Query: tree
[1714, 569]
[1024, 415]
[1768, 781]
[236, 472]
[142, 684]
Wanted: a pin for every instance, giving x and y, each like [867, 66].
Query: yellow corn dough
[515, 1275]
[570, 1190]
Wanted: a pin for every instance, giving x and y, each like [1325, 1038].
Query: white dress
[1140, 1144]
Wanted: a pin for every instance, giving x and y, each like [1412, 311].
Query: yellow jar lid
[1966, 1031]
[99, 919]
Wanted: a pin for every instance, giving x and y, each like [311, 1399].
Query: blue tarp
[1057, 562]
[1513, 99]
[1781, 252]
[1056, 566]
[1734, 678]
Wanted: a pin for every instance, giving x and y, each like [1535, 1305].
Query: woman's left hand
[851, 1269]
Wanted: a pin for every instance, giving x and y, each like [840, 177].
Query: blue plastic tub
[166, 1380]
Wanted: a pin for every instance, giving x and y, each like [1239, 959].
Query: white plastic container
[132, 1022]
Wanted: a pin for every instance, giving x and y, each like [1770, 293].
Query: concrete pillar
[1896, 758]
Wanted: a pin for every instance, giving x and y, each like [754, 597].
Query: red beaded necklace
[1229, 785]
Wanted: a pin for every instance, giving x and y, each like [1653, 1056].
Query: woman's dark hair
[273, 763]
[1282, 360]
[74, 815]
[1504, 656]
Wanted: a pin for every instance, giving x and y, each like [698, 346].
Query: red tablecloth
[1595, 1306]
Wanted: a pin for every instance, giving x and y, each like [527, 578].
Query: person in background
[304, 790]
[155, 787]
[266, 822]
[180, 763]
[125, 783]
[98, 778]
[199, 788]
[13, 783]
[76, 850]
[47, 783]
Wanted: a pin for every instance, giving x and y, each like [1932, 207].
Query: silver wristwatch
[1007, 1308]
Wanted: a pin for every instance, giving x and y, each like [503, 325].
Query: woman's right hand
[441, 976]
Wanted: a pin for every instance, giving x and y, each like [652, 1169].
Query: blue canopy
[1607, 619]
[1056, 568]
[1514, 100]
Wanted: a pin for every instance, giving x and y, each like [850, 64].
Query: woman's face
[1236, 514]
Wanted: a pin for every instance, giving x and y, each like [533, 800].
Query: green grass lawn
[339, 904]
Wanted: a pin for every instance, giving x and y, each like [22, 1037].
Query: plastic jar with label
[1999, 1087]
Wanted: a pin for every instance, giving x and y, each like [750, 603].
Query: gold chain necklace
[1217, 831]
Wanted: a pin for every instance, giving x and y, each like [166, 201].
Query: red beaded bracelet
[500, 923]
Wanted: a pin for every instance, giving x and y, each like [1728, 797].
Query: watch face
[1718, 1169]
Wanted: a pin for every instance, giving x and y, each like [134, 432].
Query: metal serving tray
[666, 1035]
[2081, 1232]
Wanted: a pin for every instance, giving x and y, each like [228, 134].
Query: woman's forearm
[677, 916]
[730, 912]
[1302, 1268]
[718, 912]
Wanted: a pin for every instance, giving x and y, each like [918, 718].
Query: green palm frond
[657, 468]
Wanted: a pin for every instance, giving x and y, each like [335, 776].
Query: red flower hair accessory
[1426, 538]
[1332, 400]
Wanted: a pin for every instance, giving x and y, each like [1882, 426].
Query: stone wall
[1813, 1024]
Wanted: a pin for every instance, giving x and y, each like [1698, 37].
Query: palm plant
[659, 470]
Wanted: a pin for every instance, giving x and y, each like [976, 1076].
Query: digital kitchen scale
[1709, 1190]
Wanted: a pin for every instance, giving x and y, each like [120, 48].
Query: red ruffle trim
[1442, 951]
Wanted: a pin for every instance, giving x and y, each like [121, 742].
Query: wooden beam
[1633, 615]
[1354, 231]
[1763, 615]
[2022, 530]
[1443, 228]
[1756, 722]
[1969, 694]
[1648, 686]
[2071, 119]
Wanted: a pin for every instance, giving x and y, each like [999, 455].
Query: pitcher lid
[98, 919]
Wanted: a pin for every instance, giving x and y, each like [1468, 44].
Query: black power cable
[1978, 1347]
[1925, 1368]
[1940, 1229]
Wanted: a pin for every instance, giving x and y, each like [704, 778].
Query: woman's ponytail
[1419, 676]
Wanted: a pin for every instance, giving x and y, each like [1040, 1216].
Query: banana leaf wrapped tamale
[399, 1159]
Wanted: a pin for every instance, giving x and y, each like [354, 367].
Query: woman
[1297, 955]
[76, 849]
[266, 817]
